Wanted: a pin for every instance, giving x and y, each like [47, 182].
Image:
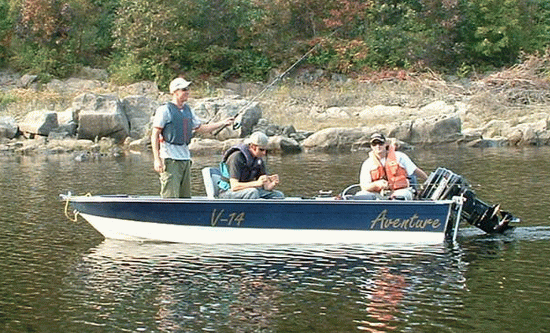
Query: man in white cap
[173, 126]
[245, 169]
[386, 173]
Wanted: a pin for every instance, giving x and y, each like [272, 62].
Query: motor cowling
[444, 184]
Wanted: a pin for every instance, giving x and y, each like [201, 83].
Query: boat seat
[211, 177]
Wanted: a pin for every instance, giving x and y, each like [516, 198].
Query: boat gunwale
[285, 201]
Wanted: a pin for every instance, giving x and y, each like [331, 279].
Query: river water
[61, 276]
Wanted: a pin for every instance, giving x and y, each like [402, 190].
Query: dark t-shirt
[236, 163]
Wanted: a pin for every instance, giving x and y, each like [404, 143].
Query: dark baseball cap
[377, 137]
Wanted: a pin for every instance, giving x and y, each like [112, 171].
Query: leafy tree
[441, 45]
[56, 37]
[396, 35]
[289, 28]
[222, 39]
[536, 23]
[501, 29]
[158, 42]
[6, 28]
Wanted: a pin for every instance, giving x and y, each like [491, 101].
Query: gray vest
[179, 130]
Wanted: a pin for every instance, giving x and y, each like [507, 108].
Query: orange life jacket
[394, 173]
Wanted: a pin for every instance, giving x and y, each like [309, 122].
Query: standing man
[386, 172]
[173, 126]
[244, 167]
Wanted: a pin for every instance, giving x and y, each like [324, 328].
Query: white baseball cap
[179, 83]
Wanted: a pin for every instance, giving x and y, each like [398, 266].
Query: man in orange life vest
[385, 174]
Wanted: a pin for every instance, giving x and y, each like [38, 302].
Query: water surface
[61, 276]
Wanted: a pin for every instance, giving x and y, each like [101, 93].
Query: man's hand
[381, 184]
[269, 182]
[159, 165]
[274, 179]
[229, 121]
[261, 181]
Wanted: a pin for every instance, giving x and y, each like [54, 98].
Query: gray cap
[259, 139]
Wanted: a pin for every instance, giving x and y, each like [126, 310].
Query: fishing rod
[236, 125]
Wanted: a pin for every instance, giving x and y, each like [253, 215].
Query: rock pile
[106, 123]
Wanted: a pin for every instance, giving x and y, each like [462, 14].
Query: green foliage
[125, 69]
[538, 23]
[44, 61]
[227, 39]
[499, 30]
[56, 38]
[159, 43]
[6, 99]
[6, 28]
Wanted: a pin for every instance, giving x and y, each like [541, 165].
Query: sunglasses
[184, 89]
[260, 149]
[376, 143]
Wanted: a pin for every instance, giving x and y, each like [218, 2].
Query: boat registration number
[221, 217]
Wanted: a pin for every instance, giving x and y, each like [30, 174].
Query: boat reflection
[265, 288]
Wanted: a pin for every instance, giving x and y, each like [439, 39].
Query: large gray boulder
[248, 117]
[495, 128]
[216, 109]
[284, 144]
[437, 108]
[436, 130]
[27, 81]
[333, 139]
[530, 134]
[8, 127]
[100, 116]
[67, 121]
[139, 110]
[40, 122]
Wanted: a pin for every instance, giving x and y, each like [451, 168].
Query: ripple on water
[59, 276]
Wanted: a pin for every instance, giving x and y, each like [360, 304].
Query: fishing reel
[235, 126]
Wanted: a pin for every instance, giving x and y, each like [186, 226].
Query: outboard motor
[444, 184]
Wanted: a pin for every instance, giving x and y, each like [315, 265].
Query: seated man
[244, 167]
[386, 172]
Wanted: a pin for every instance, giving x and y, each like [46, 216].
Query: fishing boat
[443, 202]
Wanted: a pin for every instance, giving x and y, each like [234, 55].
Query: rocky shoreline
[99, 119]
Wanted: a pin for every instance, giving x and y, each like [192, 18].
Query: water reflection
[59, 276]
[258, 288]
[384, 300]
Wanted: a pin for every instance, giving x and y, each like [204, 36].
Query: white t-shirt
[168, 150]
[369, 164]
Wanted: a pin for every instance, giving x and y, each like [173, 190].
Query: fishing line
[237, 125]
